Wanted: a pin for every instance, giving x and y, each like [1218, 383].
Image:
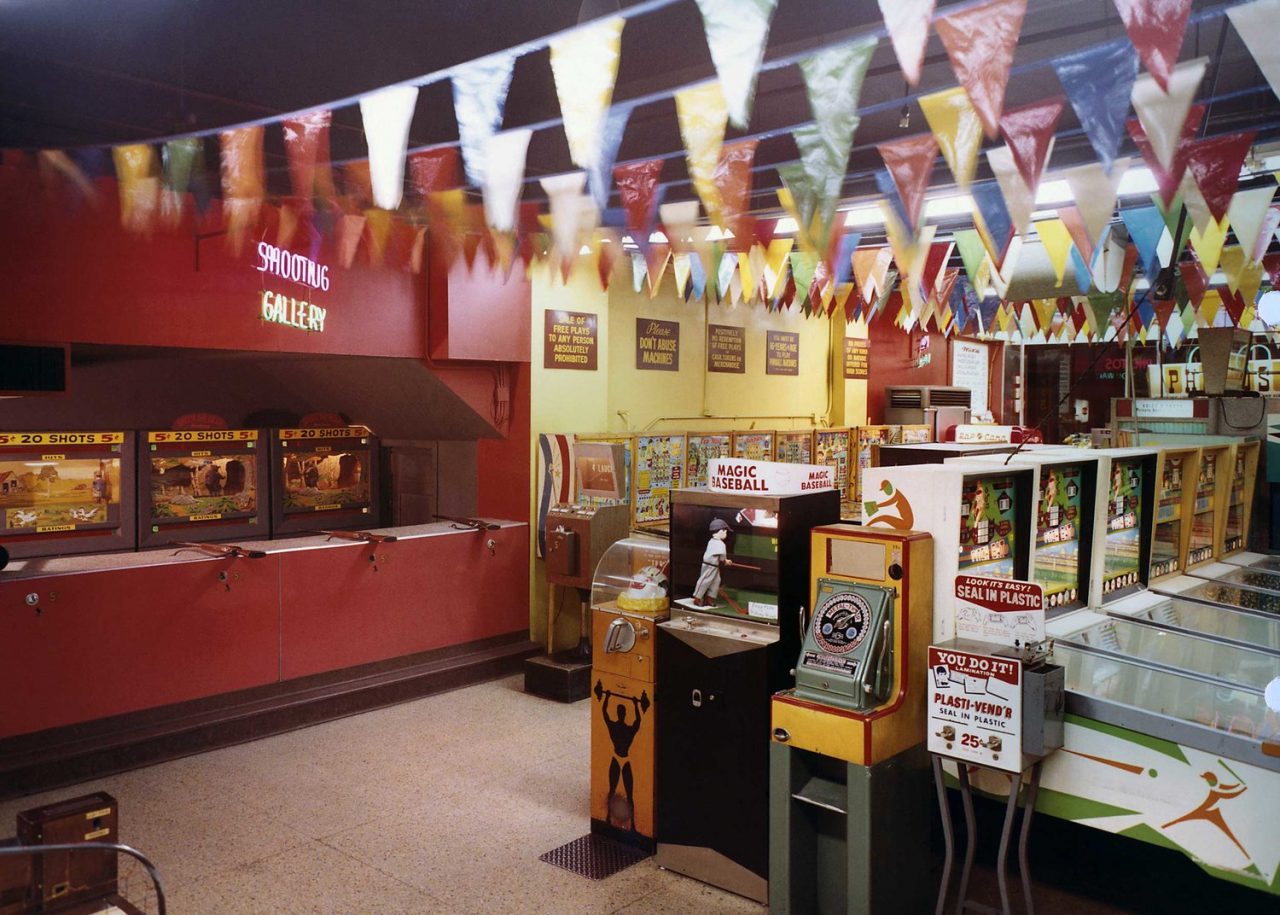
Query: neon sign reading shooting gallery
[278, 308]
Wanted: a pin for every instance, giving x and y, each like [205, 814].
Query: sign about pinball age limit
[975, 708]
[570, 341]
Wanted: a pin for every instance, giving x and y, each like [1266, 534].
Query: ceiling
[75, 73]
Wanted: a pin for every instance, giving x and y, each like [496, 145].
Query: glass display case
[1235, 596]
[632, 576]
[1254, 630]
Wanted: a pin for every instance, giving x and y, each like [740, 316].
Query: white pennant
[1095, 193]
[1256, 23]
[1018, 198]
[1193, 200]
[678, 220]
[1248, 213]
[1108, 264]
[386, 115]
[1163, 116]
[564, 194]
[908, 24]
[504, 176]
[736, 34]
[585, 66]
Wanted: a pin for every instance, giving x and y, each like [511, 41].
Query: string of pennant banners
[717, 246]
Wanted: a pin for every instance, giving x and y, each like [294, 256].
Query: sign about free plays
[975, 707]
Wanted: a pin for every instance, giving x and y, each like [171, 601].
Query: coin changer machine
[718, 667]
[849, 776]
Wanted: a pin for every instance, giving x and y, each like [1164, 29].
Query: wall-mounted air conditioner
[939, 406]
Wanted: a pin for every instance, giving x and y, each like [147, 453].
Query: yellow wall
[622, 399]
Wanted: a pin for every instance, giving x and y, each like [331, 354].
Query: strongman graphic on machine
[621, 734]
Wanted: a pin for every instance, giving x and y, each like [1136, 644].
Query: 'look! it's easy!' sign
[999, 610]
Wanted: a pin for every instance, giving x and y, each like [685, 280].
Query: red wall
[73, 275]
[503, 466]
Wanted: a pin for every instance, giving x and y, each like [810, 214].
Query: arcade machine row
[324, 479]
[848, 772]
[980, 518]
[203, 485]
[1065, 486]
[67, 492]
[739, 578]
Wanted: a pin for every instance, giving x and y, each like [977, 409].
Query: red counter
[109, 634]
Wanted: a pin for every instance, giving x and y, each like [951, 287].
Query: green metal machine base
[846, 839]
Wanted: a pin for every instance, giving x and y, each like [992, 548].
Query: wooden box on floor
[63, 879]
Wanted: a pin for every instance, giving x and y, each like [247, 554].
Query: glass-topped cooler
[1175, 492]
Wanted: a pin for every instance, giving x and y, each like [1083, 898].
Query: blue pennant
[1098, 81]
[1145, 226]
[1084, 278]
[987, 309]
[844, 259]
[884, 181]
[697, 277]
[995, 214]
[600, 175]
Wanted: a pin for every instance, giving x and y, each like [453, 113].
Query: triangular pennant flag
[1145, 226]
[1019, 199]
[137, 174]
[584, 63]
[980, 41]
[910, 161]
[907, 22]
[1210, 305]
[1194, 280]
[932, 275]
[503, 172]
[1164, 114]
[702, 115]
[972, 251]
[1189, 206]
[956, 127]
[615, 125]
[1057, 243]
[657, 257]
[56, 161]
[1074, 222]
[242, 182]
[386, 115]
[608, 252]
[993, 218]
[1101, 305]
[1248, 215]
[697, 278]
[1270, 226]
[639, 270]
[844, 257]
[1083, 277]
[736, 34]
[564, 195]
[1215, 163]
[306, 144]
[775, 262]
[378, 227]
[479, 97]
[1029, 132]
[681, 270]
[1234, 303]
[817, 195]
[1094, 191]
[182, 161]
[892, 199]
[1168, 179]
[732, 179]
[803, 266]
[350, 232]
[638, 187]
[833, 84]
[434, 171]
[1208, 244]
[678, 220]
[1256, 23]
[1243, 275]
[1108, 263]
[1100, 104]
[1156, 28]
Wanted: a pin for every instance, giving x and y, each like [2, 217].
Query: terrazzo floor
[438, 805]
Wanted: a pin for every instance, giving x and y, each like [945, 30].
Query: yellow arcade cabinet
[849, 775]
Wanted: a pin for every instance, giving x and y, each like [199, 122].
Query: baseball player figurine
[715, 556]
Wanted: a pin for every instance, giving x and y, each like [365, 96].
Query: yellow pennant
[748, 279]
[703, 116]
[378, 224]
[1208, 244]
[680, 270]
[1210, 305]
[584, 63]
[139, 184]
[1057, 244]
[958, 130]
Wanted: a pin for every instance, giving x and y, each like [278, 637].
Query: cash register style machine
[849, 775]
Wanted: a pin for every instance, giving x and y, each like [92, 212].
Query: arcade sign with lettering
[739, 475]
[278, 308]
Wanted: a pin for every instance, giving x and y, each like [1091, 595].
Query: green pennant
[1170, 214]
[824, 168]
[1100, 306]
[972, 252]
[804, 264]
[833, 83]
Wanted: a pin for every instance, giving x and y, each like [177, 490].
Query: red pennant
[1029, 131]
[1234, 303]
[1215, 164]
[1193, 277]
[1271, 263]
[911, 162]
[1130, 261]
[357, 184]
[604, 264]
[933, 264]
[637, 186]
[1156, 28]
[306, 144]
[434, 170]
[943, 294]
[1164, 310]
[980, 41]
[1074, 222]
[764, 230]
[1169, 180]
[732, 178]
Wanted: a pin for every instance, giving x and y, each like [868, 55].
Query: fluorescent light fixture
[1051, 192]
[585, 249]
[628, 240]
[1138, 182]
[657, 238]
[786, 226]
[955, 205]
[864, 216]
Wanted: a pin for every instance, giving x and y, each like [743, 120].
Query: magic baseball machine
[849, 776]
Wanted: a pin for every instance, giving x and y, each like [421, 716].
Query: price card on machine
[975, 707]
